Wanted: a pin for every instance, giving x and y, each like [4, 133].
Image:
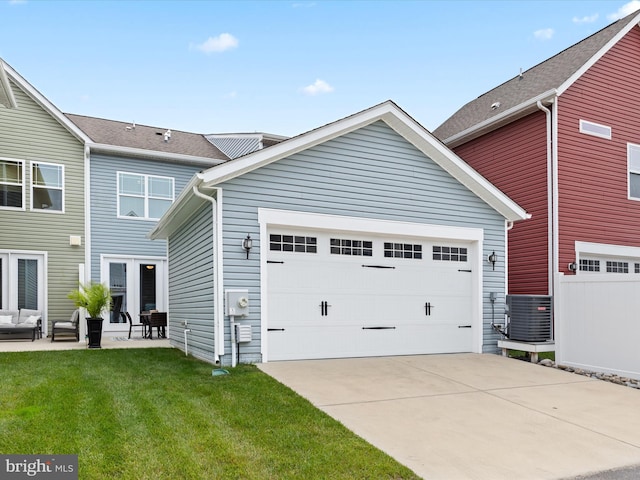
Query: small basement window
[595, 129]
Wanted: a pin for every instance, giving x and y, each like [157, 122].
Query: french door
[22, 280]
[137, 284]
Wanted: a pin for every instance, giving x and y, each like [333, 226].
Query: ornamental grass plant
[156, 414]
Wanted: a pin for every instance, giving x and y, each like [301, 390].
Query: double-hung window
[146, 197]
[633, 166]
[11, 183]
[47, 187]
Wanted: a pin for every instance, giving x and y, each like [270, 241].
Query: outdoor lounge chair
[70, 327]
[127, 318]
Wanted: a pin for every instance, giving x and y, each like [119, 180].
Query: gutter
[218, 318]
[489, 124]
[154, 154]
[552, 195]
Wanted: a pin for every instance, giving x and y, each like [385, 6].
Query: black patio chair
[127, 318]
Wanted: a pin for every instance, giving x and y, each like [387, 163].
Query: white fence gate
[597, 323]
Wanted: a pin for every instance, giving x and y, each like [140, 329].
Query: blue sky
[282, 67]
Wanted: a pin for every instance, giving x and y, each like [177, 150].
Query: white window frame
[23, 186]
[631, 147]
[60, 188]
[145, 194]
[588, 127]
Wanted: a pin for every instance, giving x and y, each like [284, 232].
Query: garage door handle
[275, 329]
[378, 328]
[324, 308]
[274, 261]
[464, 326]
[377, 266]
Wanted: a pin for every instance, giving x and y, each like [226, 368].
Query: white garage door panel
[376, 305]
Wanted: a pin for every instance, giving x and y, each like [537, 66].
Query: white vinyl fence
[597, 323]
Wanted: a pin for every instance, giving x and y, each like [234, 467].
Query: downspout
[552, 189]
[214, 258]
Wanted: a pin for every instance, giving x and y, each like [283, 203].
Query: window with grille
[589, 265]
[344, 246]
[617, 267]
[402, 250]
[293, 243]
[450, 254]
[11, 184]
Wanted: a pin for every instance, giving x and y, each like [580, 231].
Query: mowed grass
[156, 414]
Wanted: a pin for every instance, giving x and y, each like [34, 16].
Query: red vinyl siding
[592, 172]
[514, 159]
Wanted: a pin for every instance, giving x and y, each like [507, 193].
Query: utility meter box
[237, 303]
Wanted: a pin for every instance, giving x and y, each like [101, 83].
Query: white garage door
[334, 295]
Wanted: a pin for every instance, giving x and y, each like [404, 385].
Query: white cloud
[626, 9]
[586, 18]
[318, 87]
[544, 34]
[232, 95]
[222, 42]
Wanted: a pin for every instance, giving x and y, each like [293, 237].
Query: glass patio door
[22, 281]
[137, 284]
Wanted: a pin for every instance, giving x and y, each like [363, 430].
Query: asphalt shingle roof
[122, 134]
[548, 75]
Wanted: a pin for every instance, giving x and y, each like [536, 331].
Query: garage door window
[343, 246]
[589, 265]
[617, 267]
[450, 254]
[402, 250]
[293, 243]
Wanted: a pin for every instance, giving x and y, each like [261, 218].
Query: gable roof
[388, 112]
[519, 96]
[114, 136]
[41, 100]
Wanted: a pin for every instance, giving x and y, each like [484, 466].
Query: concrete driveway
[471, 416]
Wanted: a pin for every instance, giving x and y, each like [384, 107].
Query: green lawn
[154, 413]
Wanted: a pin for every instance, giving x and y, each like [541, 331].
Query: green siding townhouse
[42, 201]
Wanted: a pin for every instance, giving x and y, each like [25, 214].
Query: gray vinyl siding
[191, 285]
[370, 173]
[29, 133]
[125, 236]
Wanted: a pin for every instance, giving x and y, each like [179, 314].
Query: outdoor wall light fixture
[247, 243]
[573, 266]
[492, 259]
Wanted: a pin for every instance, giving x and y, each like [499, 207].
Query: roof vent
[495, 105]
[167, 135]
[520, 76]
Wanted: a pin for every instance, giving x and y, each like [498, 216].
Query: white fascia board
[399, 121]
[155, 155]
[609, 250]
[49, 107]
[505, 117]
[586, 66]
[5, 86]
[179, 212]
[321, 221]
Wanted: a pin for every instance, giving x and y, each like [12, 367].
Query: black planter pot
[94, 332]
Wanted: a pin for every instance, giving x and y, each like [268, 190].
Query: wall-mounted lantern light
[492, 259]
[247, 243]
[573, 266]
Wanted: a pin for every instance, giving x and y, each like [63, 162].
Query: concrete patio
[109, 340]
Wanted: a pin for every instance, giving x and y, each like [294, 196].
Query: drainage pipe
[552, 168]
[214, 261]
[186, 349]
